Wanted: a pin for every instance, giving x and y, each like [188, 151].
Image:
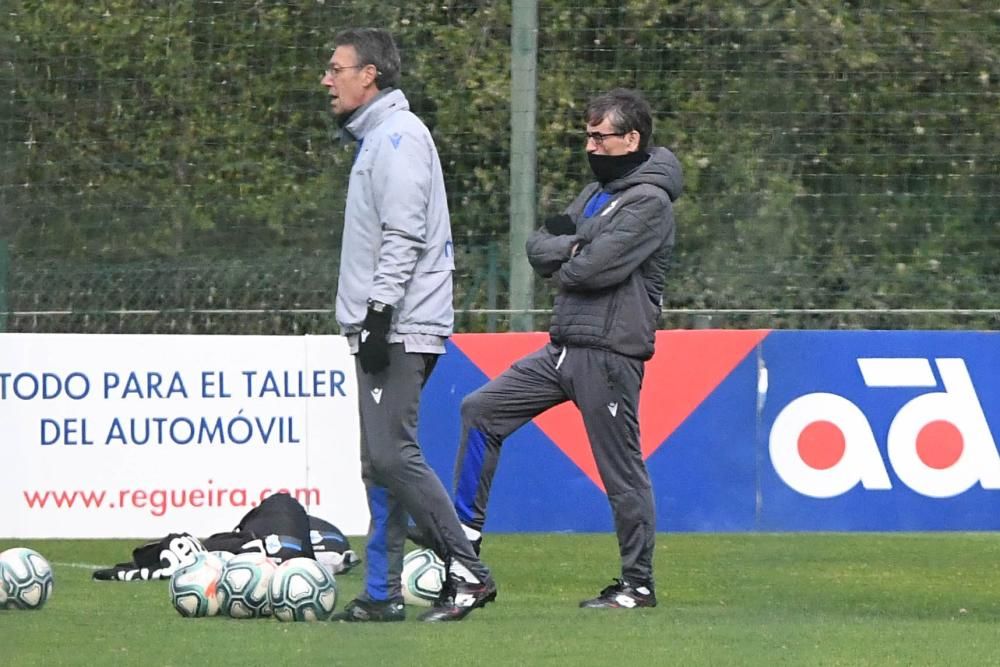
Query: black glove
[373, 343]
[560, 225]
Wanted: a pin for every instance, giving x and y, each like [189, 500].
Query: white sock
[456, 567]
[462, 572]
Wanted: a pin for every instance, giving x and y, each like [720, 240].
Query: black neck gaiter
[609, 168]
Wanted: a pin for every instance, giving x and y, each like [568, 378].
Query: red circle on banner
[940, 444]
[822, 445]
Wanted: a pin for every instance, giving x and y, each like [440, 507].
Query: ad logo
[938, 444]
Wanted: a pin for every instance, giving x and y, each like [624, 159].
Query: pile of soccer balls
[25, 579]
[248, 585]
[251, 585]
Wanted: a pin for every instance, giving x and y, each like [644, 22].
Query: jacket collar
[662, 169]
[368, 116]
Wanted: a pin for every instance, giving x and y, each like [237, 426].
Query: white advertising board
[144, 435]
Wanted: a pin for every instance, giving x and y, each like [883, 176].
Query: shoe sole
[491, 597]
[353, 619]
[584, 605]
[347, 615]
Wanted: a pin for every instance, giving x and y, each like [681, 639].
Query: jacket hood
[662, 169]
[373, 112]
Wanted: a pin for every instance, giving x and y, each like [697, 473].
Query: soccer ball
[224, 556]
[423, 576]
[302, 590]
[193, 587]
[25, 579]
[242, 589]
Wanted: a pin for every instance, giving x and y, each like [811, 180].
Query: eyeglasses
[336, 70]
[599, 137]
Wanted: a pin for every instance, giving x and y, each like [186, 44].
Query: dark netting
[170, 167]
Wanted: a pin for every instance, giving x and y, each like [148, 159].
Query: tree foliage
[835, 156]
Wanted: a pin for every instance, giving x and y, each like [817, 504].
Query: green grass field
[789, 599]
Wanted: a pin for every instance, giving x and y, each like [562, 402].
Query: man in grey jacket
[607, 254]
[394, 304]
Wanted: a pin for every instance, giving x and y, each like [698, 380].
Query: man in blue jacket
[607, 254]
[394, 304]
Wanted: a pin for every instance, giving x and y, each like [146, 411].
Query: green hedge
[836, 156]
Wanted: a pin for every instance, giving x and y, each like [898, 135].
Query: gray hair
[374, 47]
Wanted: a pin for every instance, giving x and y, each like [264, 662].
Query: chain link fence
[171, 167]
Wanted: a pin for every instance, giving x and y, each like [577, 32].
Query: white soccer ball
[224, 556]
[25, 579]
[193, 587]
[423, 576]
[302, 590]
[243, 586]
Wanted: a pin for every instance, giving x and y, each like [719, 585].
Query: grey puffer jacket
[611, 290]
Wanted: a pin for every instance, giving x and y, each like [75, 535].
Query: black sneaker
[622, 595]
[360, 611]
[459, 598]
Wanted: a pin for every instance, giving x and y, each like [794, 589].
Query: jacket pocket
[427, 305]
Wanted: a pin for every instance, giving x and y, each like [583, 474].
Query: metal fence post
[523, 83]
[491, 286]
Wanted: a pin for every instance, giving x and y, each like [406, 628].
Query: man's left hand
[560, 225]
[373, 343]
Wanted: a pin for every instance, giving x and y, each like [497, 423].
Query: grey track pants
[605, 387]
[397, 478]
